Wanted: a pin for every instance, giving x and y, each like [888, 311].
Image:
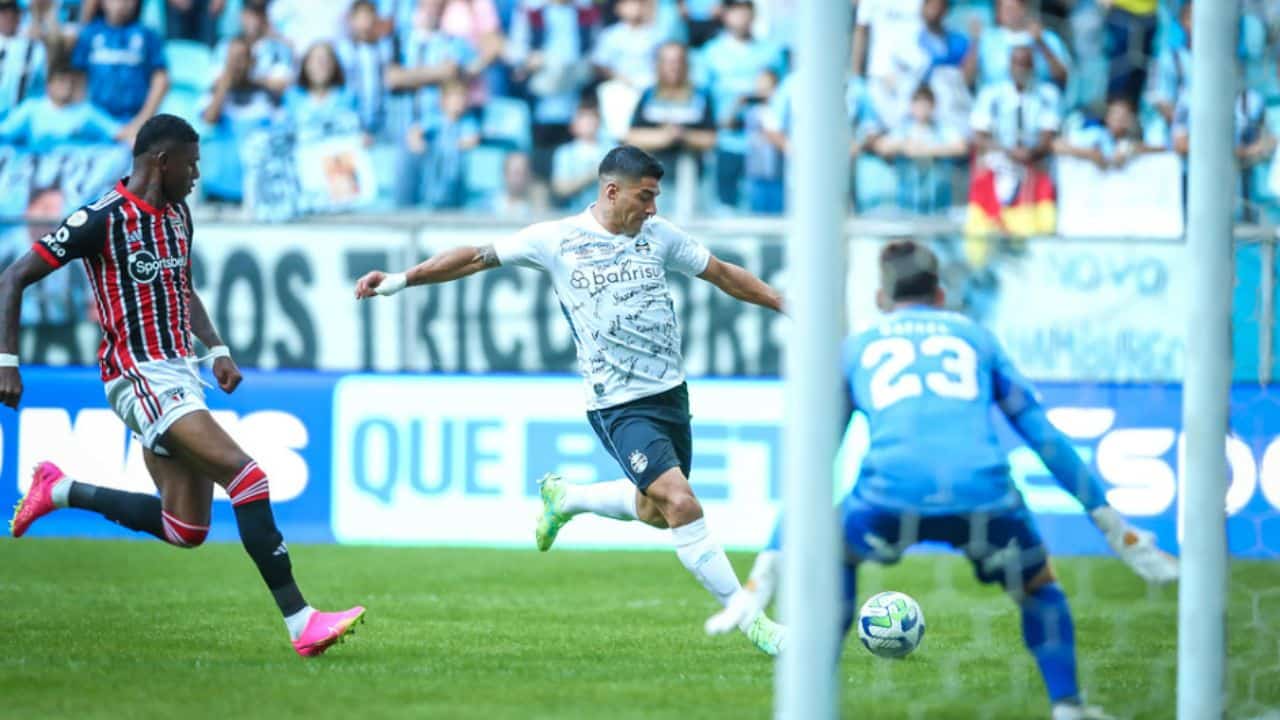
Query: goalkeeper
[926, 380]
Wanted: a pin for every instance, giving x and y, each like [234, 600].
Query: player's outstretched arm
[224, 367]
[1136, 547]
[736, 281]
[28, 269]
[443, 267]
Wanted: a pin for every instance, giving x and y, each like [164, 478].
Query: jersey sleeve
[526, 248]
[1012, 392]
[155, 51]
[849, 352]
[81, 235]
[684, 254]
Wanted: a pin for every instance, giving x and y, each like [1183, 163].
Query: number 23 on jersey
[895, 377]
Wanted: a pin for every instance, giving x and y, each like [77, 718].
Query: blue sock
[848, 598]
[1050, 636]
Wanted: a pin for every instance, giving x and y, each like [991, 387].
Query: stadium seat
[385, 162]
[875, 184]
[506, 122]
[184, 102]
[484, 173]
[962, 16]
[190, 64]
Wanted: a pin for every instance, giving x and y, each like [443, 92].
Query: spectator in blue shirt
[272, 57]
[22, 60]
[520, 197]
[429, 58]
[439, 153]
[942, 47]
[626, 49]
[320, 106]
[1253, 140]
[548, 51]
[926, 152]
[235, 108]
[236, 103]
[365, 58]
[1113, 143]
[703, 17]
[729, 66]
[762, 166]
[43, 123]
[988, 61]
[194, 19]
[124, 62]
[575, 165]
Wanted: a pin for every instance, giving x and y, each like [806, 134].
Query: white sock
[706, 560]
[613, 499]
[297, 622]
[60, 493]
[764, 573]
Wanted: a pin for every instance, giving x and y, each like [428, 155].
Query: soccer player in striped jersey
[135, 243]
[928, 380]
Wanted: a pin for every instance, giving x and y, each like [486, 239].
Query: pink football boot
[37, 502]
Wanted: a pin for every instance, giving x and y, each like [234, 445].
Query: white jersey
[613, 290]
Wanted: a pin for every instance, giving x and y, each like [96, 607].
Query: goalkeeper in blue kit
[927, 379]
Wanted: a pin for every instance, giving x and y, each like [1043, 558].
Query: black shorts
[647, 436]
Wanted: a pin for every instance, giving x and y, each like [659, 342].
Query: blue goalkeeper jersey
[929, 382]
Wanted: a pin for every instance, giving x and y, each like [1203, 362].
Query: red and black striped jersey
[138, 259]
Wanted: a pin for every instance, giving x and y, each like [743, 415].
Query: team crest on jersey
[642, 246]
[638, 461]
[178, 230]
[77, 218]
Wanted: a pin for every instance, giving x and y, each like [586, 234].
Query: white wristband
[215, 352]
[8, 360]
[392, 284]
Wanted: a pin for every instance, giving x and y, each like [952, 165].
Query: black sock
[264, 543]
[135, 511]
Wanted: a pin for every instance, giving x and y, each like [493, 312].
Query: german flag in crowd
[1007, 202]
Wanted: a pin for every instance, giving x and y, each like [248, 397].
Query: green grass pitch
[140, 630]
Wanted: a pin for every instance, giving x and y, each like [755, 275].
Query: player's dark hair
[163, 131]
[630, 163]
[908, 271]
[362, 5]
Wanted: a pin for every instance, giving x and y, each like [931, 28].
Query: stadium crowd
[506, 106]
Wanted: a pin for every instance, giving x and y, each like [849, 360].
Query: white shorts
[151, 396]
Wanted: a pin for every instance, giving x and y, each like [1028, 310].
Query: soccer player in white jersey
[608, 266]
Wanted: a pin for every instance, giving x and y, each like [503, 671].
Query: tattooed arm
[738, 282]
[448, 265]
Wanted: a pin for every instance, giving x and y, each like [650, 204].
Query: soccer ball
[891, 624]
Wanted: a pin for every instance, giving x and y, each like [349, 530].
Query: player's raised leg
[198, 442]
[561, 501]
[704, 558]
[52, 489]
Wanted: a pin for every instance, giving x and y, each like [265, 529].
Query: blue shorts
[1004, 546]
[648, 436]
